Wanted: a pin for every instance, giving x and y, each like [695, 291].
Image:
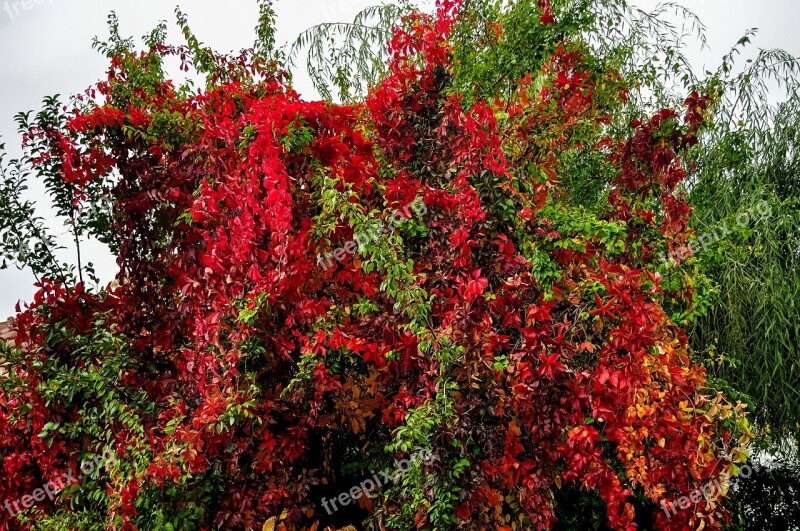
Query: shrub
[472, 306]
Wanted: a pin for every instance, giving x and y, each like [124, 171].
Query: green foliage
[265, 30]
[751, 335]
[65, 521]
[349, 57]
[485, 63]
[25, 241]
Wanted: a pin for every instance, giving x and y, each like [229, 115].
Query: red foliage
[267, 372]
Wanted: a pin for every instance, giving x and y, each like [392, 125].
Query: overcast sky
[45, 48]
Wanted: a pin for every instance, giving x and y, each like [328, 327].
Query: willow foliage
[751, 334]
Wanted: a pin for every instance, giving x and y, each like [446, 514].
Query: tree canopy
[459, 258]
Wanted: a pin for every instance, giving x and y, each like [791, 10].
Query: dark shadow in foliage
[769, 500]
[578, 510]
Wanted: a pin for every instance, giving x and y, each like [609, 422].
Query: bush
[312, 293]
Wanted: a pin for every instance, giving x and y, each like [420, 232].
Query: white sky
[45, 49]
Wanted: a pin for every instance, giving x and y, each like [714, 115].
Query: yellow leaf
[269, 525]
[740, 455]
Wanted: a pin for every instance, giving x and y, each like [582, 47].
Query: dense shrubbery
[518, 326]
